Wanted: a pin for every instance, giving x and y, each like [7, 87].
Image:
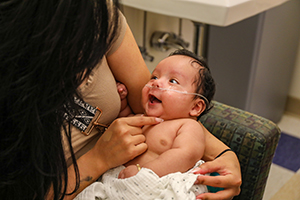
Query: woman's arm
[213, 146]
[90, 169]
[128, 67]
[121, 142]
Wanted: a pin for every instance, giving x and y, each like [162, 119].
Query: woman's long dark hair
[47, 48]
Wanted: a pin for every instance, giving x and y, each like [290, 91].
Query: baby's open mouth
[153, 99]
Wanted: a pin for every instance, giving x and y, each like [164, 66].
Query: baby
[180, 91]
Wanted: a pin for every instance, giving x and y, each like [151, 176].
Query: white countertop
[214, 12]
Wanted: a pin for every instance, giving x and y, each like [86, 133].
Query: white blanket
[144, 185]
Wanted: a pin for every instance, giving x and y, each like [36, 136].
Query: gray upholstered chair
[254, 140]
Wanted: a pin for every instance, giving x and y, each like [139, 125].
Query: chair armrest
[254, 140]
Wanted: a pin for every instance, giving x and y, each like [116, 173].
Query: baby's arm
[125, 110]
[188, 147]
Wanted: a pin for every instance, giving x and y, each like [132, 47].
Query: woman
[51, 51]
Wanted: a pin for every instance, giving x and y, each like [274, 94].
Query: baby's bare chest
[160, 137]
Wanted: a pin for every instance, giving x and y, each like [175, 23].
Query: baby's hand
[129, 171]
[125, 110]
[122, 90]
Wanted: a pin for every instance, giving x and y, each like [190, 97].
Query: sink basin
[214, 12]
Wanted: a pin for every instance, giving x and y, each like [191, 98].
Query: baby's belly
[144, 158]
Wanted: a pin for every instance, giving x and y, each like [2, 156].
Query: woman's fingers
[139, 139]
[221, 195]
[220, 182]
[215, 181]
[229, 177]
[123, 140]
[140, 148]
[132, 125]
[207, 167]
[140, 121]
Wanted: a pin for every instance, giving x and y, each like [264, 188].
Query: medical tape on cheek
[178, 91]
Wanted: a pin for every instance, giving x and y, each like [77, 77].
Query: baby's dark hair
[205, 84]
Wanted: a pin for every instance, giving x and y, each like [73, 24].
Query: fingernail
[196, 170]
[159, 120]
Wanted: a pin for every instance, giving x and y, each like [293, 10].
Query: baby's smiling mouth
[153, 99]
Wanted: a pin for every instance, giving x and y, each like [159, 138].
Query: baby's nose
[157, 83]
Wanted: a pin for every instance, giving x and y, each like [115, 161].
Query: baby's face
[173, 73]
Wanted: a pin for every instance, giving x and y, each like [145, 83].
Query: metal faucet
[163, 41]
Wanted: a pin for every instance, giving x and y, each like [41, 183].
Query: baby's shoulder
[191, 124]
[189, 121]
[183, 123]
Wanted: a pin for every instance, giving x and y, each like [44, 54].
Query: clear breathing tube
[178, 91]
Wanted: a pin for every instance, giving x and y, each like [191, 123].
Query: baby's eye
[174, 81]
[153, 77]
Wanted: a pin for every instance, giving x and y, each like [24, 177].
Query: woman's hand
[229, 179]
[122, 141]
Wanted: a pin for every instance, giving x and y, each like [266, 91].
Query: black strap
[223, 153]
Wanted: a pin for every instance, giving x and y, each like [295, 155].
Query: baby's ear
[198, 107]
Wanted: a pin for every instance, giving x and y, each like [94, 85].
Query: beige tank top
[99, 90]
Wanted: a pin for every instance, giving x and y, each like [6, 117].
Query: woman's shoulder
[120, 36]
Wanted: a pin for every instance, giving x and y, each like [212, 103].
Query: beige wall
[295, 85]
[164, 23]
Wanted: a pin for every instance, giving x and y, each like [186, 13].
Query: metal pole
[201, 39]
[144, 29]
